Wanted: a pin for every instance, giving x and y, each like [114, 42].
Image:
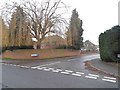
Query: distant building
[89, 46]
[53, 42]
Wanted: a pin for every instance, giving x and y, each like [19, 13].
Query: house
[89, 46]
[52, 42]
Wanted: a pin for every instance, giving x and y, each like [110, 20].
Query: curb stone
[88, 65]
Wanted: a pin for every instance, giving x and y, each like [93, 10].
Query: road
[60, 73]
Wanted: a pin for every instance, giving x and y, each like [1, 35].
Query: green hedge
[109, 44]
[11, 48]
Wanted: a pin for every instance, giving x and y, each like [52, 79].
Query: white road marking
[55, 71]
[91, 77]
[74, 74]
[14, 65]
[68, 71]
[79, 72]
[36, 66]
[59, 69]
[109, 80]
[26, 67]
[47, 69]
[43, 67]
[18, 65]
[47, 64]
[51, 68]
[39, 68]
[65, 72]
[33, 67]
[22, 66]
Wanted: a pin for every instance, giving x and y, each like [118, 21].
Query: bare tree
[42, 18]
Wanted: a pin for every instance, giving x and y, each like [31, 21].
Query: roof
[52, 38]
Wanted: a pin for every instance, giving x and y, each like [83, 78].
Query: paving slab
[108, 67]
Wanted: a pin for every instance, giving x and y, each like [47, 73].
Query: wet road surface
[60, 73]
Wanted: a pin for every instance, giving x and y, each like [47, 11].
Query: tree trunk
[39, 44]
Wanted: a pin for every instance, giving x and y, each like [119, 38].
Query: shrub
[109, 44]
[11, 48]
[61, 47]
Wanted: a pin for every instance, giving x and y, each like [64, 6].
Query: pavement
[57, 73]
[105, 67]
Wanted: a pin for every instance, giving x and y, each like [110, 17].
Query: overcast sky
[97, 15]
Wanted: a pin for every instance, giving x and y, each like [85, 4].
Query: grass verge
[43, 54]
[7, 58]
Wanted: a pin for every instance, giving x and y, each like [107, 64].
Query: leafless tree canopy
[42, 18]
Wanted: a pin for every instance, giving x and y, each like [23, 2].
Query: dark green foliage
[11, 48]
[19, 47]
[0, 50]
[65, 47]
[75, 31]
[61, 47]
[109, 44]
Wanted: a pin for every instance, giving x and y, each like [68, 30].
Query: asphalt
[14, 76]
[73, 63]
[0, 76]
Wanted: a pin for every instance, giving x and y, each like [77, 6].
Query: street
[60, 73]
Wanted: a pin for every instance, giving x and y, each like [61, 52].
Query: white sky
[97, 15]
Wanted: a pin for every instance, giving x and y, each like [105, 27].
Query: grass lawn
[43, 53]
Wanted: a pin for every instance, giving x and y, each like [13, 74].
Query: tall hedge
[109, 44]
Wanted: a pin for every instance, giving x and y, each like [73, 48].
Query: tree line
[30, 19]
